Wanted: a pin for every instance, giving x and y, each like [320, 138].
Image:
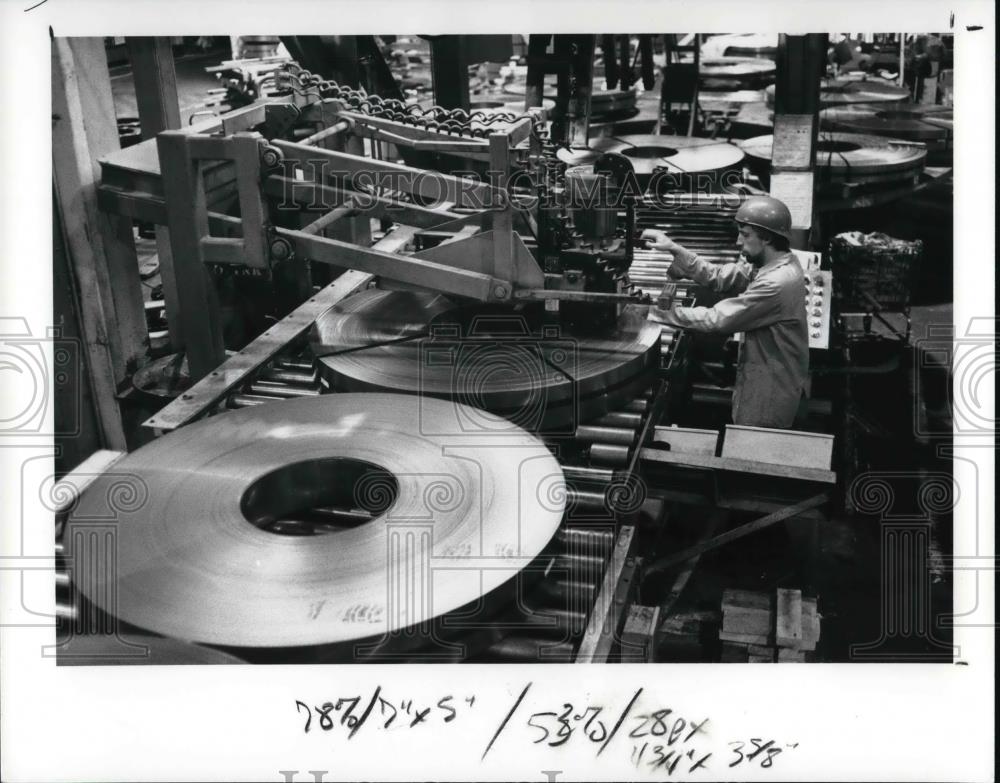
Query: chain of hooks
[548, 170]
[458, 122]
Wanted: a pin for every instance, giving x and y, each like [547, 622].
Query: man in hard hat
[767, 306]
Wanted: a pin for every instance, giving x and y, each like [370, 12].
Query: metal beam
[198, 316]
[201, 398]
[391, 176]
[608, 616]
[426, 274]
[312, 195]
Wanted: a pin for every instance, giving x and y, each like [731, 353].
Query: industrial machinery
[453, 449]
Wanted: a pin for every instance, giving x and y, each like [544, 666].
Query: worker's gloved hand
[657, 240]
[666, 298]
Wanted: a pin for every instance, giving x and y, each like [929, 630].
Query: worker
[766, 304]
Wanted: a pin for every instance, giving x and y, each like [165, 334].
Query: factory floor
[844, 570]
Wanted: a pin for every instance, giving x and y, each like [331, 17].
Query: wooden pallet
[761, 628]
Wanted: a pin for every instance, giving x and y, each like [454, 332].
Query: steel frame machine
[298, 181]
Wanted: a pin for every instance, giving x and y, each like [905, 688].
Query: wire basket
[874, 264]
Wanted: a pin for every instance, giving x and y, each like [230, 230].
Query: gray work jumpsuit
[772, 375]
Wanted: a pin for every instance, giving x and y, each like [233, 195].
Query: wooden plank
[739, 466]
[756, 623]
[810, 624]
[159, 110]
[100, 247]
[715, 519]
[637, 637]
[746, 599]
[786, 655]
[744, 638]
[778, 447]
[686, 440]
[762, 651]
[788, 622]
[734, 653]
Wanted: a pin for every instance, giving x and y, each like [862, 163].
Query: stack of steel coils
[839, 92]
[306, 527]
[721, 74]
[668, 162]
[931, 125]
[853, 160]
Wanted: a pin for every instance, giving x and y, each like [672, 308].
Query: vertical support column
[534, 90]
[503, 217]
[159, 110]
[360, 229]
[578, 80]
[198, 310]
[902, 59]
[155, 84]
[101, 247]
[801, 62]
[449, 71]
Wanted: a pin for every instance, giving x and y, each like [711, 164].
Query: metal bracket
[608, 616]
[182, 156]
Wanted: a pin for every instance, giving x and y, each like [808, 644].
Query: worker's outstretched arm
[721, 278]
[759, 305]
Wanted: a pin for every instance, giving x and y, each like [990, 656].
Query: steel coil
[492, 359]
[853, 157]
[194, 560]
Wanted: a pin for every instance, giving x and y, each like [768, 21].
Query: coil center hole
[319, 496]
[652, 151]
[837, 146]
